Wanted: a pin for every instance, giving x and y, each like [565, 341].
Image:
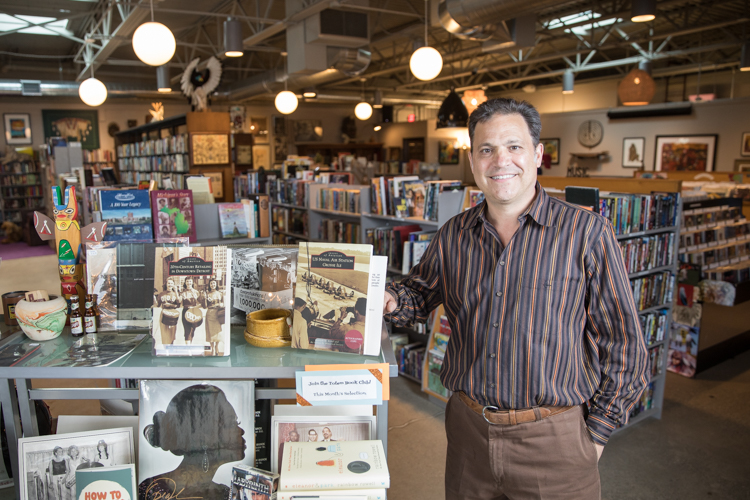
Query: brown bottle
[89, 317]
[76, 320]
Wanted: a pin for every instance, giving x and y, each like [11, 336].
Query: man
[327, 434]
[293, 438]
[542, 318]
[312, 436]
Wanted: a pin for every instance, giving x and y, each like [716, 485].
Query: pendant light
[363, 110]
[636, 89]
[153, 42]
[233, 46]
[745, 57]
[286, 101]
[426, 63]
[162, 79]
[92, 91]
[568, 81]
[452, 112]
[642, 11]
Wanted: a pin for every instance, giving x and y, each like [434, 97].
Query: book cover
[262, 209]
[249, 207]
[334, 465]
[348, 494]
[249, 482]
[232, 220]
[173, 214]
[191, 434]
[262, 278]
[97, 482]
[330, 307]
[190, 313]
[414, 191]
[127, 214]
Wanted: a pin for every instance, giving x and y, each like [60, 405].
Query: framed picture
[210, 149]
[552, 148]
[48, 463]
[17, 128]
[261, 156]
[318, 428]
[632, 152]
[744, 151]
[73, 124]
[742, 165]
[685, 153]
[308, 130]
[447, 153]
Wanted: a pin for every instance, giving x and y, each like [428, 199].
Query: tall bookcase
[21, 190]
[654, 269]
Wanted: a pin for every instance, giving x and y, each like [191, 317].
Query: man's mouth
[502, 177]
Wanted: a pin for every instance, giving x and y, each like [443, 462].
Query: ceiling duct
[351, 62]
[31, 87]
[337, 27]
[69, 89]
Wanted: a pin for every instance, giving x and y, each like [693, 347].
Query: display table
[245, 362]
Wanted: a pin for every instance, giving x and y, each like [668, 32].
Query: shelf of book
[287, 205]
[16, 200]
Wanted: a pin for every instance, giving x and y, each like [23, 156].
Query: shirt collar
[539, 210]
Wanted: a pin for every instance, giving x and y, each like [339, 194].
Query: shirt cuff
[600, 427]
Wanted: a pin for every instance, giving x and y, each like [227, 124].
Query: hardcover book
[191, 435]
[127, 214]
[330, 309]
[334, 465]
[97, 482]
[249, 482]
[232, 220]
[190, 313]
[348, 494]
[415, 195]
[173, 214]
[263, 218]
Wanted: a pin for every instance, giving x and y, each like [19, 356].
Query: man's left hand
[599, 450]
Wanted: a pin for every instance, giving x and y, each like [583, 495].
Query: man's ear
[539, 154]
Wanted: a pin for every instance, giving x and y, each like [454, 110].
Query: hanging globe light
[363, 110]
[426, 63]
[92, 92]
[153, 43]
[286, 102]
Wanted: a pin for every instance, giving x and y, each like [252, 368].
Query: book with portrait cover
[92, 483]
[191, 301]
[173, 214]
[127, 213]
[414, 192]
[261, 485]
[232, 220]
[333, 465]
[331, 299]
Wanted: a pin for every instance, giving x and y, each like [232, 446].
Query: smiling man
[546, 356]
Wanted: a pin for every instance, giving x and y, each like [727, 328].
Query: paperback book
[232, 220]
[330, 309]
[333, 465]
[190, 313]
[249, 482]
[127, 214]
[173, 214]
[348, 494]
[97, 482]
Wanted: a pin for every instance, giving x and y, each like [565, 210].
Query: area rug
[21, 250]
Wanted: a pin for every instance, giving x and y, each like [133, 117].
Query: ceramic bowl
[269, 323]
[42, 320]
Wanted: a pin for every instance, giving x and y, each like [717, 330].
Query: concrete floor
[699, 449]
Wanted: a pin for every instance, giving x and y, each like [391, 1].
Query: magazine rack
[245, 362]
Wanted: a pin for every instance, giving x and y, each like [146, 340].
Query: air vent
[31, 87]
[337, 28]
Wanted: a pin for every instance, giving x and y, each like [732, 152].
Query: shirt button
[499, 294]
[495, 324]
[502, 262]
[492, 386]
[492, 355]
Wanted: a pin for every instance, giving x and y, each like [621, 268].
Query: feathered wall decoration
[198, 85]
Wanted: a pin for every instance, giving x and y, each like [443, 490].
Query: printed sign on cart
[340, 387]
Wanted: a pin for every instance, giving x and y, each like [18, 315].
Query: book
[262, 278]
[332, 284]
[260, 484]
[173, 214]
[101, 349]
[12, 354]
[414, 191]
[333, 465]
[127, 213]
[190, 313]
[95, 483]
[252, 229]
[232, 220]
[348, 494]
[262, 210]
[201, 188]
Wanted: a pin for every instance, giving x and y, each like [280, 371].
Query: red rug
[21, 250]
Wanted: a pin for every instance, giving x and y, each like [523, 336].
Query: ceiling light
[645, 65]
[642, 11]
[636, 89]
[473, 98]
[310, 93]
[452, 112]
[426, 63]
[529, 88]
[378, 100]
[162, 79]
[285, 102]
[745, 58]
[92, 92]
[377, 128]
[363, 110]
[568, 80]
[233, 38]
[153, 43]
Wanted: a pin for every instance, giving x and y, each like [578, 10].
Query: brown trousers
[553, 458]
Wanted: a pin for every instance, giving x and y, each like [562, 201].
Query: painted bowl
[272, 324]
[42, 320]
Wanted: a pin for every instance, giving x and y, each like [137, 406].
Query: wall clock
[590, 133]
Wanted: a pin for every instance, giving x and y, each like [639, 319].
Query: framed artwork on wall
[745, 151]
[552, 148]
[308, 130]
[17, 128]
[210, 149]
[632, 152]
[447, 153]
[742, 165]
[77, 125]
[262, 156]
[685, 153]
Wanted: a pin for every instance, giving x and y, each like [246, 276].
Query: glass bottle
[76, 320]
[89, 316]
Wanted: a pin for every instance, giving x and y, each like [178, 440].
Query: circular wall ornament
[590, 133]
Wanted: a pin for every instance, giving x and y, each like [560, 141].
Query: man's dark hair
[506, 106]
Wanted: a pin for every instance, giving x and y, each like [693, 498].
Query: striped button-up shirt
[548, 320]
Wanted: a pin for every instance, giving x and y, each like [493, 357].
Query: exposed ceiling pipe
[481, 19]
[70, 89]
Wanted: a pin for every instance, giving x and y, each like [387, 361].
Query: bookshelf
[21, 189]
[329, 152]
[650, 255]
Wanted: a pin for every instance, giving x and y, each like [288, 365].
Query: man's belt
[497, 416]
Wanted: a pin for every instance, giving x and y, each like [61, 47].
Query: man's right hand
[390, 303]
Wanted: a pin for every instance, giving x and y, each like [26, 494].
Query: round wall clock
[590, 133]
